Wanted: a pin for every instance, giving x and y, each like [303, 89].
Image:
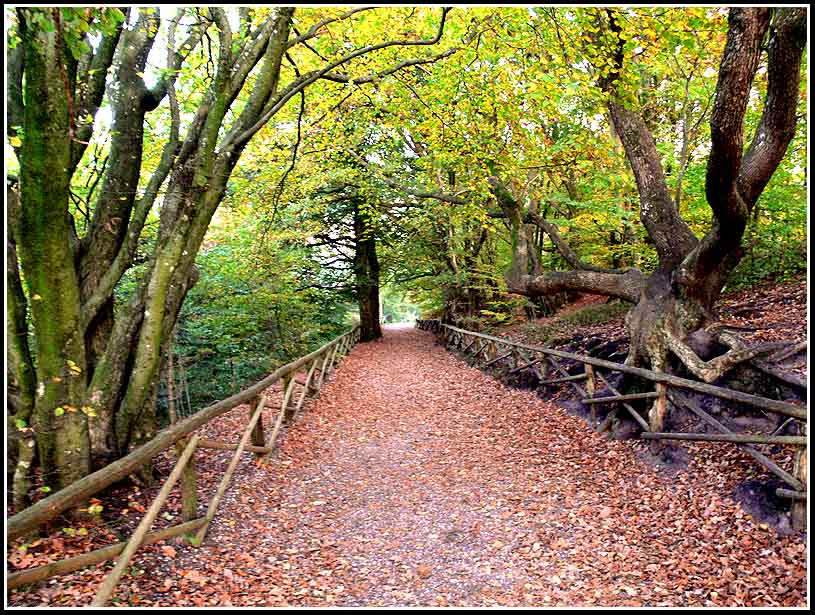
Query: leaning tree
[677, 298]
[83, 392]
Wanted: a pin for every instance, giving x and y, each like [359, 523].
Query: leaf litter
[416, 480]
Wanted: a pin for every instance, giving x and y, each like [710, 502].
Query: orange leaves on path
[416, 480]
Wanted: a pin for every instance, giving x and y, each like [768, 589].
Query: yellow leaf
[15, 142]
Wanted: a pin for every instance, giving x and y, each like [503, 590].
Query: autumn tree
[677, 298]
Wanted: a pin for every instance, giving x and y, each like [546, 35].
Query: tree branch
[90, 91]
[315, 29]
[733, 184]
[446, 197]
[237, 141]
[15, 117]
[175, 59]
[564, 249]
[672, 237]
[371, 77]
[127, 250]
[777, 125]
[736, 72]
[627, 286]
[23, 379]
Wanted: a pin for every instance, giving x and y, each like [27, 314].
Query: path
[416, 480]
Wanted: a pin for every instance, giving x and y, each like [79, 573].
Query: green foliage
[247, 315]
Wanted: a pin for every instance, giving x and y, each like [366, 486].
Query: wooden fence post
[258, 437]
[287, 385]
[106, 590]
[544, 364]
[189, 486]
[799, 507]
[656, 417]
[590, 388]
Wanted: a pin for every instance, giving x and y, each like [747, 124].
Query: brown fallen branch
[782, 375]
[225, 446]
[723, 437]
[524, 366]
[467, 347]
[785, 354]
[750, 450]
[496, 359]
[564, 379]
[634, 414]
[616, 398]
[580, 390]
[792, 495]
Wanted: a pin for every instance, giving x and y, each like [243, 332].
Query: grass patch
[596, 314]
[562, 329]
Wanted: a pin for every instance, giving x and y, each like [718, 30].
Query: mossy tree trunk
[45, 248]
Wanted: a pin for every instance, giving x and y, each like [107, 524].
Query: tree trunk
[45, 244]
[366, 274]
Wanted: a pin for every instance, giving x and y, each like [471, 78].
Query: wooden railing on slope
[521, 357]
[317, 364]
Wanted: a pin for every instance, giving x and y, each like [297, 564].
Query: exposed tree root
[709, 371]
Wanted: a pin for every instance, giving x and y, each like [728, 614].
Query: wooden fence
[487, 350]
[308, 372]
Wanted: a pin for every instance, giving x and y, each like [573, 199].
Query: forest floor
[416, 480]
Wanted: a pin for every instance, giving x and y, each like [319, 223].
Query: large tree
[677, 298]
[83, 393]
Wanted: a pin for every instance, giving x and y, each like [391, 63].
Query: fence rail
[316, 366]
[486, 350]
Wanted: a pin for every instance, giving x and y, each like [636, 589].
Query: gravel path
[416, 480]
